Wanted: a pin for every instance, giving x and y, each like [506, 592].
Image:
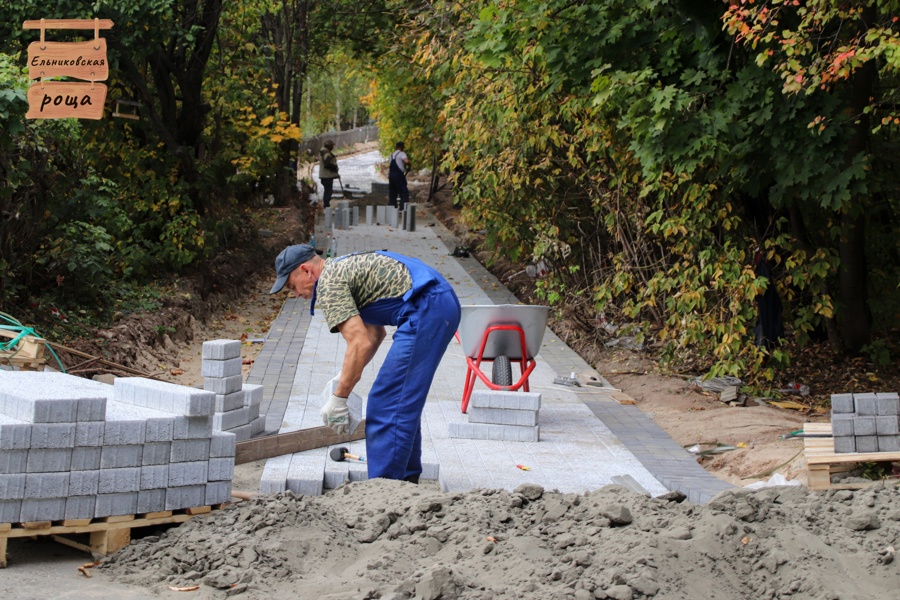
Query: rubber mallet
[342, 453]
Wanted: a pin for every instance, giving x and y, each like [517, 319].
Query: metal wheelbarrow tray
[499, 334]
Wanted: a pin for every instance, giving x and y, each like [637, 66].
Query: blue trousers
[425, 326]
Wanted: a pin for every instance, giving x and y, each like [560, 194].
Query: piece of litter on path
[523, 467]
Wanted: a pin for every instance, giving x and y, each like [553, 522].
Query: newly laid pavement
[588, 438]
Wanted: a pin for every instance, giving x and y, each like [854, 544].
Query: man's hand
[336, 415]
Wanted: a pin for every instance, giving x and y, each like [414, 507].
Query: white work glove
[336, 415]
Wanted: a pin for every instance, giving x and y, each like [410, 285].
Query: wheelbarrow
[500, 334]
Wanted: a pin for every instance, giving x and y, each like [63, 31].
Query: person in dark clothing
[328, 170]
[397, 169]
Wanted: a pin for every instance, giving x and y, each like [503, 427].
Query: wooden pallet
[107, 534]
[822, 460]
[28, 355]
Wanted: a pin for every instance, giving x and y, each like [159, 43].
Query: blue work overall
[426, 318]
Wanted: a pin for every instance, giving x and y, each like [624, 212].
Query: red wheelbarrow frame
[526, 365]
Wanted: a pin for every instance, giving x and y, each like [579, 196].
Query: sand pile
[393, 540]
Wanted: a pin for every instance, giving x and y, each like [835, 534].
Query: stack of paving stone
[71, 448]
[236, 404]
[502, 416]
[865, 422]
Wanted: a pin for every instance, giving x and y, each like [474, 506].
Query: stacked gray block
[865, 423]
[237, 410]
[501, 416]
[79, 449]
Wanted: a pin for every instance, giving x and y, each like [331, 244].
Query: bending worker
[359, 294]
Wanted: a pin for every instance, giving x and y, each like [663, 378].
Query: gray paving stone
[864, 426]
[218, 492]
[842, 404]
[86, 458]
[46, 485]
[10, 511]
[221, 349]
[274, 476]
[90, 433]
[242, 433]
[188, 474]
[43, 509]
[842, 424]
[888, 443]
[156, 453]
[149, 501]
[222, 444]
[49, 460]
[154, 477]
[253, 394]
[50, 402]
[114, 481]
[187, 496]
[84, 483]
[508, 433]
[866, 443]
[116, 457]
[192, 428]
[53, 435]
[12, 487]
[164, 396]
[221, 469]
[223, 385]
[888, 403]
[221, 368]
[14, 434]
[503, 416]
[13, 461]
[844, 445]
[506, 400]
[232, 401]
[866, 404]
[111, 505]
[190, 450]
[81, 507]
[229, 420]
[887, 425]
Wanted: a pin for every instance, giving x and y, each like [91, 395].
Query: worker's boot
[412, 479]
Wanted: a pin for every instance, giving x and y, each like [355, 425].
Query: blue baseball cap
[289, 259]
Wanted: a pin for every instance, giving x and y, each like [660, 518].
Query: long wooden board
[294, 441]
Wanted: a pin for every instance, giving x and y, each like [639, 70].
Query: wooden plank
[75, 522]
[67, 24]
[66, 99]
[3, 543]
[108, 541]
[294, 441]
[820, 451]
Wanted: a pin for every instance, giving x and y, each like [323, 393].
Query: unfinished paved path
[587, 439]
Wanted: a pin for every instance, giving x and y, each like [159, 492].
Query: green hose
[14, 325]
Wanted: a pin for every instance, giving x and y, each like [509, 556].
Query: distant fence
[342, 139]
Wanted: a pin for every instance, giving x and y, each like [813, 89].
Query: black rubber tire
[501, 372]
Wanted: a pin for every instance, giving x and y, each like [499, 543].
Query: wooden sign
[82, 60]
[62, 99]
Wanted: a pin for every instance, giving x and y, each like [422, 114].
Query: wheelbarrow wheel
[501, 371]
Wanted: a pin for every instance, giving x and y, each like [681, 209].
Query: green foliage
[634, 141]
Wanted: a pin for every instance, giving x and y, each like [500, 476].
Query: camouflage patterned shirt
[355, 281]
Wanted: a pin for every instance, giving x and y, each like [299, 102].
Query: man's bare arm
[362, 342]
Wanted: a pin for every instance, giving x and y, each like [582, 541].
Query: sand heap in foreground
[393, 540]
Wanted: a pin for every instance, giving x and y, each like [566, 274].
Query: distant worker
[328, 170]
[397, 170]
[359, 294]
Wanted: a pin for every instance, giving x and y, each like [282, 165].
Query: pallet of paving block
[28, 355]
[106, 534]
[822, 461]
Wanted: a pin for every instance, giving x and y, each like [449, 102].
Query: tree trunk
[855, 319]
